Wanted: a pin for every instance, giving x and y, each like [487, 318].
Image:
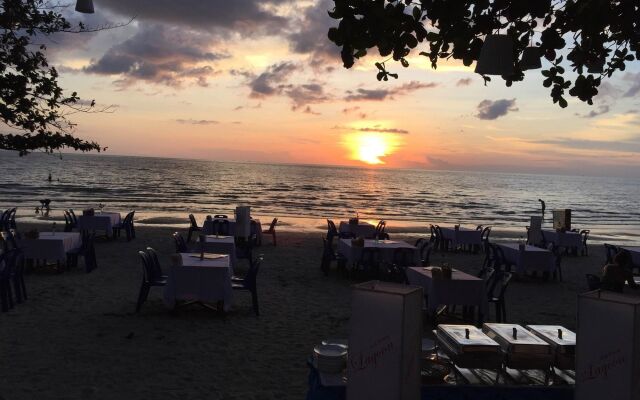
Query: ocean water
[165, 191]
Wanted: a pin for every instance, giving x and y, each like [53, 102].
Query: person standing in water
[544, 207]
[49, 179]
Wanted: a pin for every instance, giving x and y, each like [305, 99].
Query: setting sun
[370, 147]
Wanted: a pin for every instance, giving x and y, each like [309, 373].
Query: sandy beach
[77, 337]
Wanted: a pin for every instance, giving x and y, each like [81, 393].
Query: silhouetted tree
[32, 104]
[578, 34]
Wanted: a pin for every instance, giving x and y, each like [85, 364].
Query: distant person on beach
[49, 177]
[544, 206]
[615, 275]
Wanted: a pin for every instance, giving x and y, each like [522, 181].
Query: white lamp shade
[496, 56]
[531, 58]
[84, 6]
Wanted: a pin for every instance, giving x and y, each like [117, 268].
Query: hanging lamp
[531, 58]
[84, 6]
[496, 56]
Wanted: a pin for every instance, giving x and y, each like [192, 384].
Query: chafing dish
[562, 342]
[468, 347]
[522, 348]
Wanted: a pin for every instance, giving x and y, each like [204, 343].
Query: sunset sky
[248, 80]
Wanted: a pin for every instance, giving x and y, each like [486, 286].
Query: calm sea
[164, 191]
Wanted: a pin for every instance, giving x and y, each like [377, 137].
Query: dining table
[360, 229]
[528, 258]
[51, 246]
[634, 251]
[256, 227]
[461, 236]
[568, 239]
[462, 289]
[219, 244]
[101, 220]
[353, 253]
[206, 281]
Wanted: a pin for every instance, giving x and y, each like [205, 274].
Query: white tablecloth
[208, 281]
[563, 239]
[387, 249]
[207, 228]
[51, 246]
[635, 254]
[462, 236]
[461, 289]
[363, 229]
[531, 259]
[100, 221]
[220, 245]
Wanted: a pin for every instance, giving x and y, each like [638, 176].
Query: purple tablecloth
[207, 228]
[462, 236]
[363, 229]
[563, 239]
[635, 254]
[530, 259]
[51, 245]
[208, 281]
[387, 249]
[99, 221]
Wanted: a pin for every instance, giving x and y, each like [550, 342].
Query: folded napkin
[210, 256]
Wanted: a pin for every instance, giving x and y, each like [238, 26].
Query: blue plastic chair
[249, 283]
[150, 278]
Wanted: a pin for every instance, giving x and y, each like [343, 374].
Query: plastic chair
[150, 278]
[331, 229]
[12, 218]
[6, 273]
[74, 219]
[501, 310]
[272, 230]
[584, 236]
[193, 227]
[425, 253]
[249, 283]
[611, 251]
[68, 225]
[87, 250]
[557, 259]
[127, 225]
[593, 282]
[181, 245]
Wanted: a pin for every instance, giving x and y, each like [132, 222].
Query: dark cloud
[631, 145]
[603, 109]
[361, 94]
[243, 17]
[352, 110]
[159, 54]
[375, 128]
[275, 81]
[490, 109]
[308, 110]
[271, 82]
[464, 82]
[634, 88]
[310, 36]
[197, 121]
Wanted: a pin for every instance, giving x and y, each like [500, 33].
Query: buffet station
[386, 356]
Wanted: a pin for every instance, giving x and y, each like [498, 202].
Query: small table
[51, 245]
[462, 289]
[531, 258]
[387, 249]
[256, 229]
[206, 281]
[568, 240]
[362, 229]
[220, 245]
[100, 221]
[462, 236]
[635, 254]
